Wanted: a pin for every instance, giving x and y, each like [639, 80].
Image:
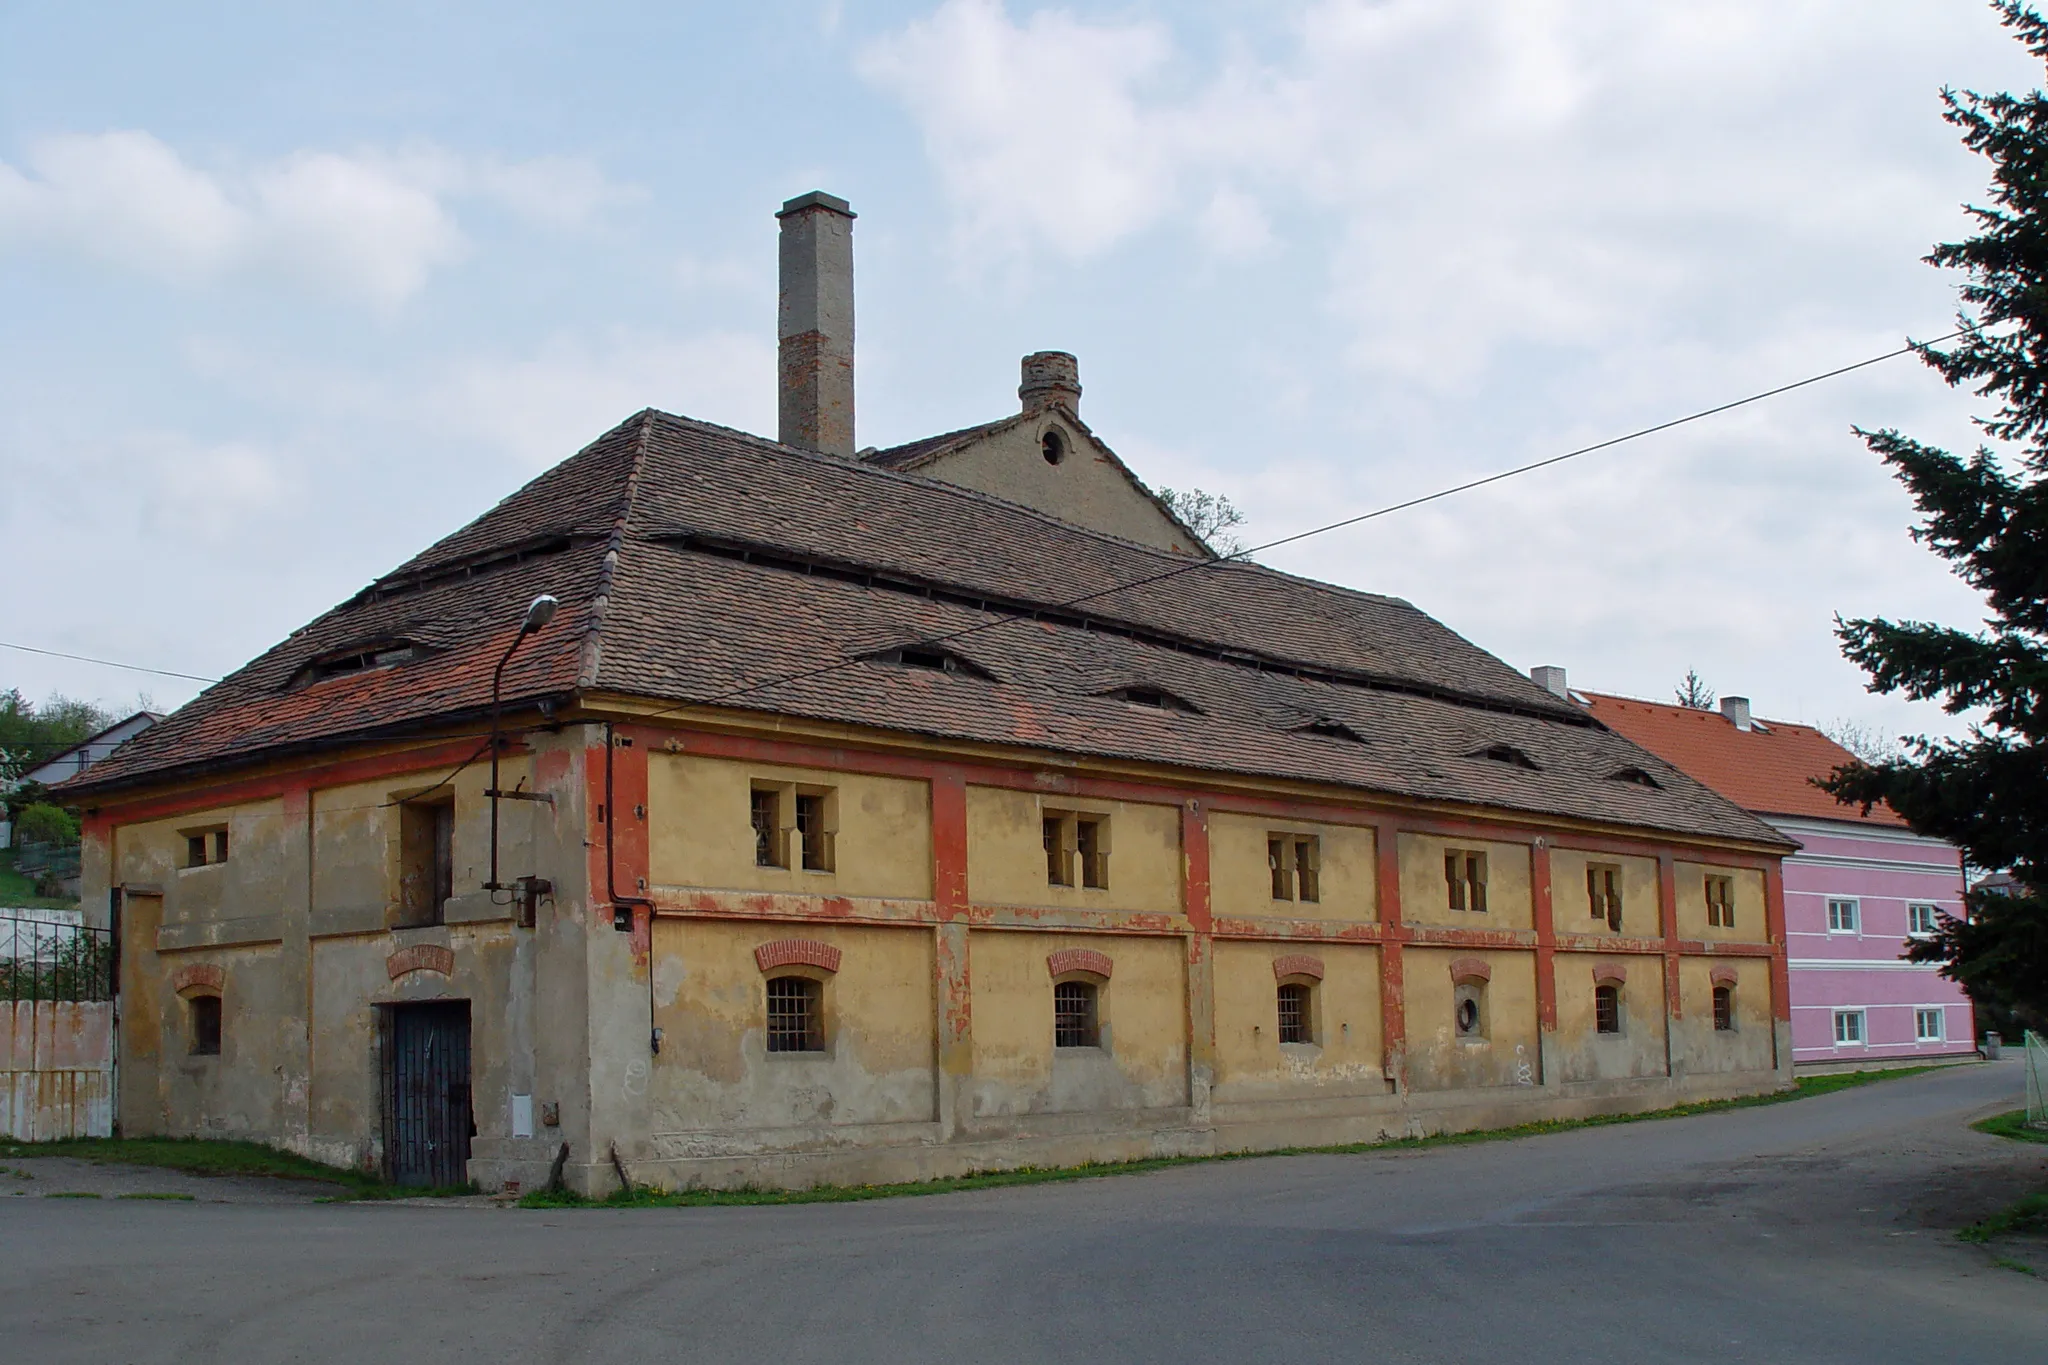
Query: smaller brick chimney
[1051, 377]
[1551, 679]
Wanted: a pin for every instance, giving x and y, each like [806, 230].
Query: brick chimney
[814, 324]
[1051, 377]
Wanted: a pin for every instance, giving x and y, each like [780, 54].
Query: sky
[289, 291]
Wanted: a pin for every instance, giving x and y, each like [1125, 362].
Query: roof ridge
[600, 600]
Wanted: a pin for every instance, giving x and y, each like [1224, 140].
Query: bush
[44, 823]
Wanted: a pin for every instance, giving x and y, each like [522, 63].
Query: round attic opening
[1052, 445]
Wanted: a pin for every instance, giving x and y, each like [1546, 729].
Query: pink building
[1858, 889]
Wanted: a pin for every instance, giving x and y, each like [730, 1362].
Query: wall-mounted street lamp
[538, 614]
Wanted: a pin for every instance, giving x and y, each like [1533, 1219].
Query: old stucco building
[858, 821]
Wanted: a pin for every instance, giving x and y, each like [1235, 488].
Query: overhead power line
[1200, 565]
[106, 663]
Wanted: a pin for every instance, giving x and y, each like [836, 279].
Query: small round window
[1053, 446]
[1468, 1016]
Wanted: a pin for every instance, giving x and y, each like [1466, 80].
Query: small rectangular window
[1844, 916]
[1465, 879]
[1930, 1026]
[1848, 1027]
[1720, 902]
[1073, 1014]
[766, 815]
[1092, 845]
[204, 847]
[1295, 1017]
[205, 1013]
[1059, 868]
[1295, 861]
[1603, 894]
[1724, 1009]
[796, 1014]
[1920, 920]
[195, 850]
[813, 834]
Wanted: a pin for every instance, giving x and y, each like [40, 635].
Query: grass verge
[207, 1156]
[2028, 1215]
[19, 890]
[158, 1194]
[2012, 1125]
[639, 1198]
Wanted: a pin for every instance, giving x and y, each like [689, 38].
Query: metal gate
[427, 1124]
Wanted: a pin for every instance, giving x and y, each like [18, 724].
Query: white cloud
[368, 226]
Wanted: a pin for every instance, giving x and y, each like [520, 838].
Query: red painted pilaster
[1201, 953]
[1393, 1003]
[1546, 936]
[952, 969]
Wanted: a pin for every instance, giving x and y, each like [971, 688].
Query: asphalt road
[1816, 1231]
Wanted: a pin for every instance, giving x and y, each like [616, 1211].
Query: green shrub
[44, 823]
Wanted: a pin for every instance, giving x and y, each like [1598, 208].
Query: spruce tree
[1988, 516]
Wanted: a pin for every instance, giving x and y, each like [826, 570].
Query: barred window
[1721, 902]
[1724, 1009]
[1073, 1014]
[205, 1012]
[796, 1014]
[767, 819]
[1296, 1023]
[1607, 1009]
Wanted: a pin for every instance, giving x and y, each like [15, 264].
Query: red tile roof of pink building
[1770, 768]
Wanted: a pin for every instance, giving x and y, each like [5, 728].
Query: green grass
[206, 1156]
[2008, 1263]
[2012, 1125]
[70, 1194]
[641, 1198]
[18, 890]
[2028, 1215]
[157, 1194]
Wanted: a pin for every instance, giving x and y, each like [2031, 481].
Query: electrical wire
[106, 663]
[1199, 565]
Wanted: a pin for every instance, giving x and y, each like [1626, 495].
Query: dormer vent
[1640, 777]
[1331, 729]
[356, 659]
[930, 657]
[1508, 753]
[1156, 697]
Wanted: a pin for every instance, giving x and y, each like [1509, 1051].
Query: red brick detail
[421, 957]
[1610, 974]
[1466, 969]
[199, 978]
[1723, 976]
[1297, 964]
[789, 952]
[1078, 960]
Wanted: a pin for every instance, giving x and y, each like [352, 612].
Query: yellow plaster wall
[357, 862]
[1425, 900]
[234, 1093]
[1017, 1070]
[1241, 883]
[715, 1070]
[700, 830]
[1750, 1046]
[251, 882]
[1571, 909]
[1437, 1060]
[1085, 488]
[1006, 853]
[1584, 1053]
[1346, 1058]
[1749, 903]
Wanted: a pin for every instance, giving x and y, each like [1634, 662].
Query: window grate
[1607, 1009]
[1294, 1014]
[795, 1014]
[1724, 1009]
[1073, 1014]
[766, 814]
[205, 1025]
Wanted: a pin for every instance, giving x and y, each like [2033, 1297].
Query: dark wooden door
[426, 1086]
